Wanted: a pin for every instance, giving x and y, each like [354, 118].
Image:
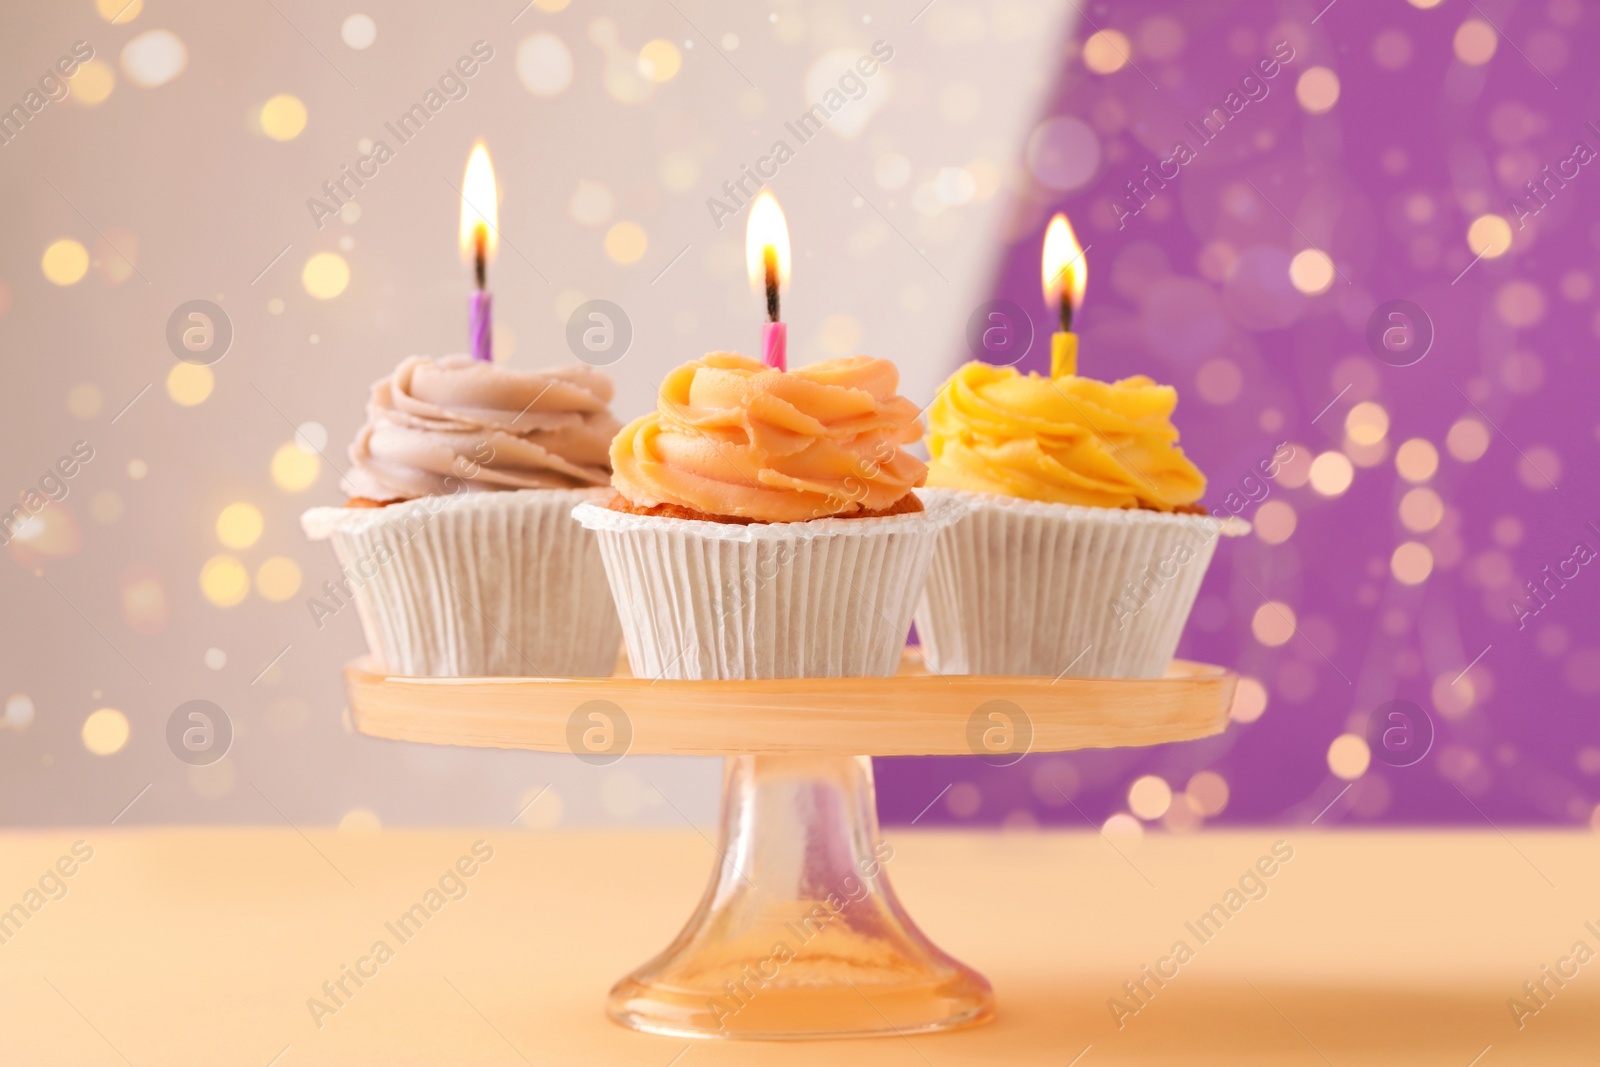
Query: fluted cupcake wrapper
[1025, 588]
[477, 584]
[830, 598]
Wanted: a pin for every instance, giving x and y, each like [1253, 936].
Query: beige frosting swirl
[731, 437]
[455, 423]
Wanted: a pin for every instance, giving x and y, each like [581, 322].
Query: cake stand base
[799, 934]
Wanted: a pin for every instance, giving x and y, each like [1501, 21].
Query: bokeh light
[119, 12]
[278, 578]
[189, 384]
[1149, 797]
[1123, 830]
[1317, 90]
[659, 60]
[1332, 473]
[294, 469]
[19, 712]
[239, 525]
[358, 31]
[1311, 271]
[1349, 757]
[1106, 51]
[591, 203]
[1207, 793]
[1475, 42]
[325, 275]
[283, 117]
[1539, 468]
[1249, 700]
[85, 400]
[92, 83]
[224, 581]
[1519, 303]
[154, 58]
[1274, 521]
[1416, 460]
[1467, 440]
[626, 242]
[1367, 423]
[144, 599]
[1411, 563]
[1273, 623]
[105, 731]
[1421, 510]
[544, 64]
[65, 262]
[1489, 236]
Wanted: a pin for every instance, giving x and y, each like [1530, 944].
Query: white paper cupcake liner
[1021, 587]
[476, 584]
[830, 598]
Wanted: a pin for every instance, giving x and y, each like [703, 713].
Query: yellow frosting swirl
[732, 437]
[1068, 440]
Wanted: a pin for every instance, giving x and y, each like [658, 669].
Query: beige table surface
[202, 946]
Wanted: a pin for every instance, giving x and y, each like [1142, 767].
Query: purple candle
[479, 234]
[480, 327]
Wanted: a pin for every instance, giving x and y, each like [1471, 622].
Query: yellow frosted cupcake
[1083, 545]
[765, 524]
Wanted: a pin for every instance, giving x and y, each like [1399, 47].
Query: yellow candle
[1066, 275]
[1063, 354]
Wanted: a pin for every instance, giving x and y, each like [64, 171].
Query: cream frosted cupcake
[765, 524]
[1083, 545]
[457, 546]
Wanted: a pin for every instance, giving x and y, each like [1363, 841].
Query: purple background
[1194, 291]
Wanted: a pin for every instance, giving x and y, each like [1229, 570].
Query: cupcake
[457, 545]
[1083, 544]
[764, 523]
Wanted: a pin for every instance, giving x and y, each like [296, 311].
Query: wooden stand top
[913, 713]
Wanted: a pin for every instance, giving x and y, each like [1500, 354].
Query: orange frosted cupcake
[765, 524]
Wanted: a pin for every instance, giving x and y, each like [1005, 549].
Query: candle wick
[769, 258]
[480, 257]
[1066, 313]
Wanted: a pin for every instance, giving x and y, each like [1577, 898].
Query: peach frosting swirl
[1070, 440]
[455, 423]
[734, 438]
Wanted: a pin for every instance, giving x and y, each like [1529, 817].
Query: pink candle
[775, 345]
[480, 326]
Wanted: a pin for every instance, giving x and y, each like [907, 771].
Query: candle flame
[1063, 266]
[766, 234]
[480, 211]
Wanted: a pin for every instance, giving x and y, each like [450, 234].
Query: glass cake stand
[799, 934]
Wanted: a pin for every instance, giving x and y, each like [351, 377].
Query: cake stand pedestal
[799, 934]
